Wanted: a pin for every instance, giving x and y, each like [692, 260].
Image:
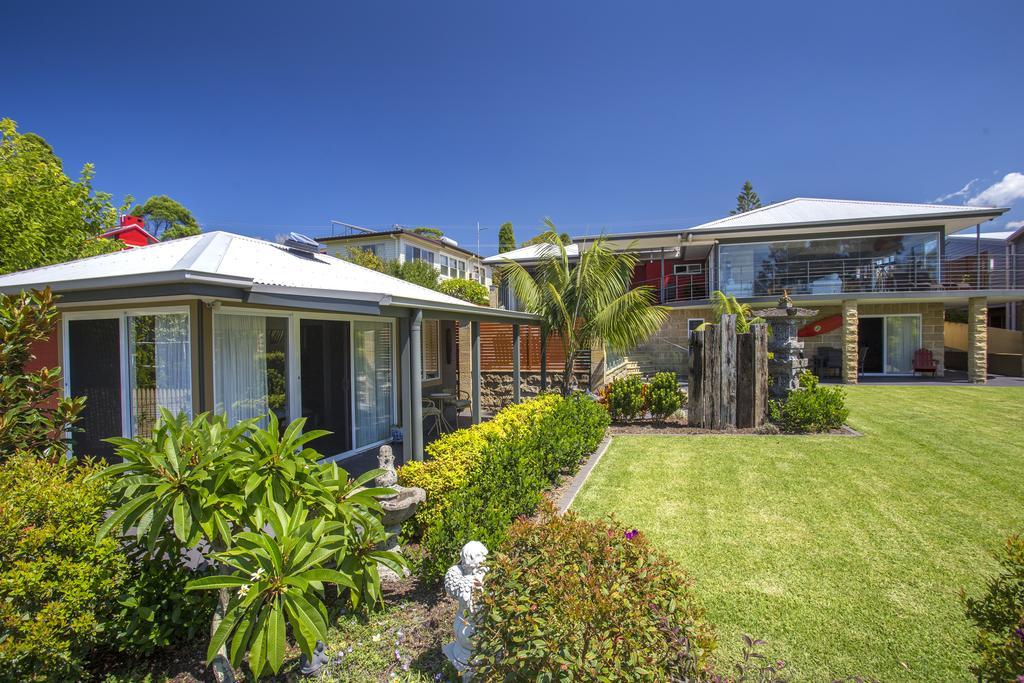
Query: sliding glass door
[374, 381]
[128, 366]
[902, 338]
[325, 379]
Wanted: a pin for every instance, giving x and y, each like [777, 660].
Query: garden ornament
[461, 581]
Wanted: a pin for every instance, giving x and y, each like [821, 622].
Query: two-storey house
[403, 244]
[876, 272]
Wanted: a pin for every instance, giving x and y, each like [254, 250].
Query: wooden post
[727, 393]
[695, 405]
[516, 378]
[752, 377]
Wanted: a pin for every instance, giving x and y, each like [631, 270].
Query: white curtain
[374, 388]
[240, 367]
[173, 364]
[903, 337]
[160, 368]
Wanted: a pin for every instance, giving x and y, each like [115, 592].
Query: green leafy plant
[467, 290]
[813, 408]
[366, 259]
[58, 584]
[587, 301]
[625, 398]
[998, 617]
[33, 415]
[510, 477]
[572, 598]
[663, 395]
[248, 492]
[722, 304]
[417, 272]
[808, 380]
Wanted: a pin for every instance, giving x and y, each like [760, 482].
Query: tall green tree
[45, 217]
[167, 219]
[746, 200]
[506, 238]
[587, 301]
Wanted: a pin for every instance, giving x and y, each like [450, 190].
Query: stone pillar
[597, 366]
[977, 340]
[465, 359]
[851, 351]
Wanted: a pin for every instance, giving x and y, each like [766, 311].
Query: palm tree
[723, 304]
[588, 301]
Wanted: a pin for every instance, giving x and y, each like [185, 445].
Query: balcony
[825, 277]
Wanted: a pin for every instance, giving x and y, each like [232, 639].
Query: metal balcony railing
[849, 276]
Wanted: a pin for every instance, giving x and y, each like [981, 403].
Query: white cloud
[1003, 193]
[962, 192]
[1013, 225]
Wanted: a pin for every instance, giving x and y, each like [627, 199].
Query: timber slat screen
[728, 383]
[496, 350]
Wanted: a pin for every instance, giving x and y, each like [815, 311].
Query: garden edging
[569, 494]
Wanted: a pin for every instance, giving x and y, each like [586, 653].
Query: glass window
[94, 371]
[159, 369]
[431, 350]
[250, 364]
[693, 323]
[416, 254]
[462, 269]
[830, 266]
[374, 387]
[443, 260]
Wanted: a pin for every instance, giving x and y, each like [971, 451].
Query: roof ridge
[100, 256]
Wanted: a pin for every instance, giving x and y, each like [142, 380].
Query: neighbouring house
[132, 231]
[236, 325]
[403, 244]
[878, 273]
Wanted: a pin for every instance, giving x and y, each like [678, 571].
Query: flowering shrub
[998, 616]
[510, 476]
[571, 598]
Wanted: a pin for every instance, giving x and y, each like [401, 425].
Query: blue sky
[265, 117]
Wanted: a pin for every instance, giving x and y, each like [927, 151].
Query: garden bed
[677, 426]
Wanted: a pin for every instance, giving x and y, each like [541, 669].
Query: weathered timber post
[728, 376]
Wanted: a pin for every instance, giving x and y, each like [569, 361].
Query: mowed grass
[847, 554]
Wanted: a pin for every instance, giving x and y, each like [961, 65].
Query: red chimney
[132, 222]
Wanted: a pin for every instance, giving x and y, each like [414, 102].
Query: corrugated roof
[532, 252]
[995, 235]
[800, 210]
[231, 258]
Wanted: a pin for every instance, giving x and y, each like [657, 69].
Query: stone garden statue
[397, 507]
[461, 582]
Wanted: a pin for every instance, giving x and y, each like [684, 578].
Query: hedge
[501, 473]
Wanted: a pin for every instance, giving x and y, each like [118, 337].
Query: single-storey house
[236, 325]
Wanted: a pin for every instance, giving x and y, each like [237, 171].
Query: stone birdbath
[398, 506]
[786, 363]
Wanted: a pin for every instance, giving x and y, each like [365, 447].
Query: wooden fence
[728, 384]
[496, 349]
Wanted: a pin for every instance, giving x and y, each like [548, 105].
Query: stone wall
[496, 387]
[977, 340]
[661, 353]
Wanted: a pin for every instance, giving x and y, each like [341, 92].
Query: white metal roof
[1001, 235]
[801, 210]
[532, 252]
[237, 260]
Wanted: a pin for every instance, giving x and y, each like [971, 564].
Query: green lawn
[847, 554]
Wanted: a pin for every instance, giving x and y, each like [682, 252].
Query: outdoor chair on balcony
[924, 361]
[436, 418]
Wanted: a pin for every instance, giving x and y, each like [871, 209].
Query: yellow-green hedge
[452, 459]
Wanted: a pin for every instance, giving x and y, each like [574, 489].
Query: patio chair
[431, 411]
[924, 361]
[860, 360]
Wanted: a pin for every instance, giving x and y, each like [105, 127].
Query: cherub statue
[460, 582]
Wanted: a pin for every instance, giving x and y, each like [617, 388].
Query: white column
[416, 385]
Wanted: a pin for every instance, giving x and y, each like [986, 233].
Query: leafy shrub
[452, 460]
[510, 476]
[808, 380]
[417, 272]
[998, 616]
[58, 584]
[366, 259]
[663, 396]
[812, 409]
[155, 611]
[567, 596]
[205, 481]
[33, 415]
[626, 398]
[467, 290]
